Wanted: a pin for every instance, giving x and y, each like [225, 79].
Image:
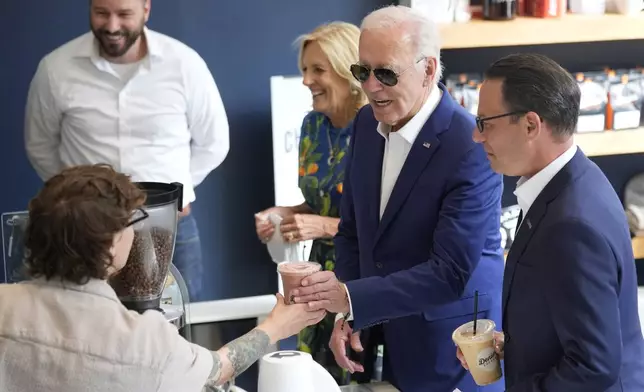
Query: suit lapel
[415, 164]
[422, 150]
[526, 230]
[534, 216]
[373, 174]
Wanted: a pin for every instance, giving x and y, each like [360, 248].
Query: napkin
[277, 248]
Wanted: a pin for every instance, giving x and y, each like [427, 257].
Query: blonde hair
[339, 42]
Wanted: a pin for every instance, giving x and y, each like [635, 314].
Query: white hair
[423, 32]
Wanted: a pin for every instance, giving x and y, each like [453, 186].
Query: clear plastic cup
[478, 350]
[292, 273]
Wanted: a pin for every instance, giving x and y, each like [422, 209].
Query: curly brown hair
[73, 221]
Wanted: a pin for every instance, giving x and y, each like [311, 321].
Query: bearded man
[140, 101]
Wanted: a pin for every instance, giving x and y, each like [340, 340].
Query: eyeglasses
[480, 121]
[386, 76]
[139, 215]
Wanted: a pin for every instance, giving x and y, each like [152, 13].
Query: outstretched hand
[322, 290]
[285, 321]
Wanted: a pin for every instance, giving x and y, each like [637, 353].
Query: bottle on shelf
[546, 8]
[499, 9]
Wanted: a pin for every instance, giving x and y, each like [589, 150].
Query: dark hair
[73, 221]
[533, 82]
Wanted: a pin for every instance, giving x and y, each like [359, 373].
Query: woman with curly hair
[65, 328]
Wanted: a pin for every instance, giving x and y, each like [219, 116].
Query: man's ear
[430, 71]
[533, 125]
[147, 7]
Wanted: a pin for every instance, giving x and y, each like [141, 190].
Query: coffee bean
[143, 276]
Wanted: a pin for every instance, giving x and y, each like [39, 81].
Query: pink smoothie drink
[292, 273]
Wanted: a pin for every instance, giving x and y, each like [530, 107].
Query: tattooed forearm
[244, 351]
[237, 356]
[215, 374]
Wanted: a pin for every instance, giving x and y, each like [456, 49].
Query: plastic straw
[476, 309]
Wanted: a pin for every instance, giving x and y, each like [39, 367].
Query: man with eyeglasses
[570, 315]
[420, 216]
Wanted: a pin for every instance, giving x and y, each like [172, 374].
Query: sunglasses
[386, 76]
[480, 121]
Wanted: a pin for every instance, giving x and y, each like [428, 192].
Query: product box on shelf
[624, 99]
[464, 88]
[636, 79]
[594, 101]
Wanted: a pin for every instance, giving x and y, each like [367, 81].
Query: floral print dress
[323, 149]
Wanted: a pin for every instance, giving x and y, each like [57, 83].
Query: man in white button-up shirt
[139, 100]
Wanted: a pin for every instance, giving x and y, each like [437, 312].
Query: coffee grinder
[140, 284]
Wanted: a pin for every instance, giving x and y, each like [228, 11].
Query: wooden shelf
[629, 141]
[638, 248]
[542, 31]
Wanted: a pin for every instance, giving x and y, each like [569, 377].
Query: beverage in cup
[292, 273]
[478, 350]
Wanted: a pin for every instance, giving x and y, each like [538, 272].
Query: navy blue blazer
[570, 312]
[416, 270]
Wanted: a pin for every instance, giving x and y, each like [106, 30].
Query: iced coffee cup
[292, 273]
[478, 350]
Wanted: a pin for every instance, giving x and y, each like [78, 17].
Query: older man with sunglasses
[419, 231]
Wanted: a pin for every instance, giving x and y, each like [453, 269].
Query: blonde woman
[325, 56]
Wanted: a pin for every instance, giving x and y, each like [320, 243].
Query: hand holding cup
[292, 274]
[499, 342]
[477, 350]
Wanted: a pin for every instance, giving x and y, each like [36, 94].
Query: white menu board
[290, 102]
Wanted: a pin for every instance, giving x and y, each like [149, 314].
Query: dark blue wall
[244, 43]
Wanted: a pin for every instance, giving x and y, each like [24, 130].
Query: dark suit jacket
[417, 269]
[570, 292]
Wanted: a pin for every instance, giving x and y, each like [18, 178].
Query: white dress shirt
[528, 189]
[69, 338]
[397, 147]
[398, 144]
[160, 119]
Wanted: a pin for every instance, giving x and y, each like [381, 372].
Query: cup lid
[298, 267]
[483, 328]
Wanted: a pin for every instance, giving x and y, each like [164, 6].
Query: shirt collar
[89, 46]
[98, 287]
[528, 189]
[410, 131]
